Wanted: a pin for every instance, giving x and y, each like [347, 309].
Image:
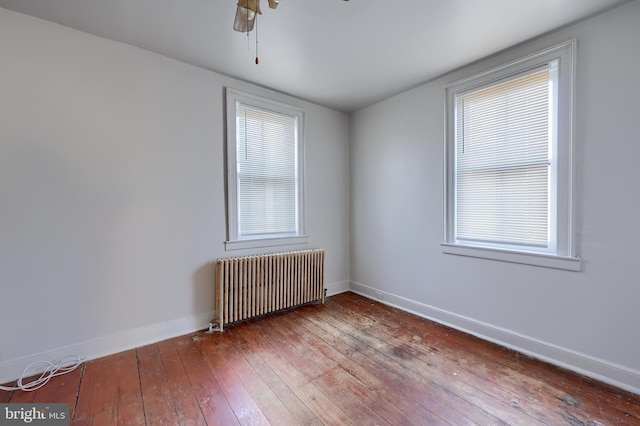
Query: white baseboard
[129, 339]
[605, 371]
[108, 345]
[613, 374]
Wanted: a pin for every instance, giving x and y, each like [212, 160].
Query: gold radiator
[251, 286]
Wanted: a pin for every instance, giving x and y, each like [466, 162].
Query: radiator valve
[213, 326]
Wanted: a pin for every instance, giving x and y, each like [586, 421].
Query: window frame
[562, 184]
[234, 240]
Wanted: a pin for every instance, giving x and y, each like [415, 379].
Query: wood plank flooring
[351, 361]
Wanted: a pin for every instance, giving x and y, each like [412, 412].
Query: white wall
[112, 203]
[586, 320]
[112, 193]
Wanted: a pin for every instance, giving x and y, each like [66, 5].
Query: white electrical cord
[49, 370]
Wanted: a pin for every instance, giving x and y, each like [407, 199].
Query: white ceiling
[341, 54]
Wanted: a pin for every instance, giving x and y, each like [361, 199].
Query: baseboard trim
[108, 345]
[129, 339]
[598, 369]
[607, 372]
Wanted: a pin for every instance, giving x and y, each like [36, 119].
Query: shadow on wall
[204, 283]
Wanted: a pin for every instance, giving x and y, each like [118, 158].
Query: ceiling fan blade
[245, 20]
[251, 5]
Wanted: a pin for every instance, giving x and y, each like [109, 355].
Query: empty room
[319, 212]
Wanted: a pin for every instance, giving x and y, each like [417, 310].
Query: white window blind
[503, 161]
[267, 172]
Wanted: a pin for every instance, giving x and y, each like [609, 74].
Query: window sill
[265, 242]
[535, 259]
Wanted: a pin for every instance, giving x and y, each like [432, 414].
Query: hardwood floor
[350, 361]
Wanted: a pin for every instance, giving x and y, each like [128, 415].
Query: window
[509, 167]
[264, 165]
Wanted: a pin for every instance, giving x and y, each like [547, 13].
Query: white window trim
[233, 241]
[525, 258]
[566, 257]
[265, 242]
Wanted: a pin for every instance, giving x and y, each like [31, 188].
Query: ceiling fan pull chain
[248, 39]
[257, 41]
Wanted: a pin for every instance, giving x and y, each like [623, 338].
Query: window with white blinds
[509, 167]
[264, 150]
[503, 161]
[267, 173]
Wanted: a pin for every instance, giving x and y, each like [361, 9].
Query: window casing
[509, 166]
[265, 188]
